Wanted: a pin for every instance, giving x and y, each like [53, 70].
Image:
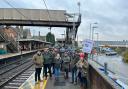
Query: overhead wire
[49, 16]
[16, 10]
[47, 10]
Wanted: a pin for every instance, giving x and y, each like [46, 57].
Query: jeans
[83, 80]
[53, 67]
[57, 72]
[37, 73]
[47, 66]
[74, 75]
[66, 72]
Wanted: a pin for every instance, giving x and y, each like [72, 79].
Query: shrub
[125, 56]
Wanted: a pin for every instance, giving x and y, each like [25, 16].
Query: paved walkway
[61, 84]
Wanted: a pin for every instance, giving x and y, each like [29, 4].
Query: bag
[83, 74]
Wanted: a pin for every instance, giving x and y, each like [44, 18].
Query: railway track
[16, 82]
[11, 62]
[12, 78]
[13, 66]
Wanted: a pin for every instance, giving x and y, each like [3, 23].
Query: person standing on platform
[82, 66]
[82, 55]
[38, 62]
[57, 65]
[53, 60]
[66, 63]
[74, 60]
[47, 62]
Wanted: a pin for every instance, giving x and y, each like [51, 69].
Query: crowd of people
[54, 62]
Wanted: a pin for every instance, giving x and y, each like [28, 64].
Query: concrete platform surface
[15, 54]
[50, 83]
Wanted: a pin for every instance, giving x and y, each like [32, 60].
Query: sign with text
[87, 46]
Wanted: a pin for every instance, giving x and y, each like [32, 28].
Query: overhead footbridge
[35, 17]
[42, 17]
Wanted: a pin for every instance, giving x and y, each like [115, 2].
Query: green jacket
[66, 62]
[53, 57]
[47, 58]
[83, 68]
[74, 60]
[58, 63]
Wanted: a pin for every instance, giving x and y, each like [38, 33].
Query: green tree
[125, 56]
[50, 38]
[118, 50]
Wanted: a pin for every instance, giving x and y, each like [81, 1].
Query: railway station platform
[50, 83]
[15, 54]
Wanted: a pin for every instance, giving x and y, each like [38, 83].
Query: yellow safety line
[30, 84]
[25, 82]
[30, 81]
[45, 83]
[41, 84]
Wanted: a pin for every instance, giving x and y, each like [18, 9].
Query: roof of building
[116, 43]
[60, 39]
[34, 40]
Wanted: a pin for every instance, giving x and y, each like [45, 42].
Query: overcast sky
[111, 16]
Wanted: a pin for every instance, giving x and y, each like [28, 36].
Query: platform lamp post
[97, 42]
[93, 32]
[97, 34]
[90, 33]
[92, 36]
[74, 28]
[79, 6]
